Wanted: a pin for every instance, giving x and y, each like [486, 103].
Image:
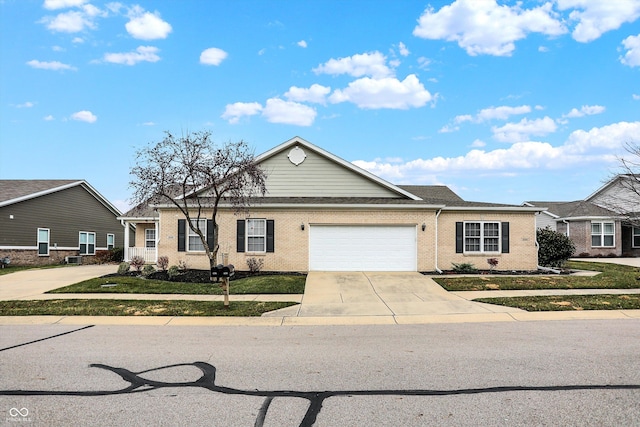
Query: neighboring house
[595, 231]
[47, 221]
[322, 213]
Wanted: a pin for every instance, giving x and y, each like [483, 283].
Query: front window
[602, 234]
[111, 241]
[87, 243]
[256, 235]
[43, 241]
[482, 237]
[636, 237]
[150, 238]
[195, 243]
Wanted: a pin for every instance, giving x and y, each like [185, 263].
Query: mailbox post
[223, 272]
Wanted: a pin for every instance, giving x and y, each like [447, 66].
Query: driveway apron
[383, 294]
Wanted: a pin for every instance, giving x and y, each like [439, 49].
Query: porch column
[126, 241]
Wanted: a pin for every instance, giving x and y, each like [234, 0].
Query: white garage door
[362, 248]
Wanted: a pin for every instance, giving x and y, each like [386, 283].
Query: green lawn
[568, 302]
[267, 284]
[613, 276]
[85, 307]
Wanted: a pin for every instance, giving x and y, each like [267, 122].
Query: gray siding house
[47, 221]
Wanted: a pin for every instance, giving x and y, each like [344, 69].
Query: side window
[636, 237]
[195, 243]
[603, 234]
[43, 241]
[111, 241]
[150, 238]
[256, 235]
[87, 243]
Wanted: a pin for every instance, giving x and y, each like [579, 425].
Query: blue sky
[503, 101]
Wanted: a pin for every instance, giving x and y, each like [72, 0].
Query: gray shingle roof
[577, 208]
[11, 189]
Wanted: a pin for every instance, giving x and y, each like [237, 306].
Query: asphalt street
[568, 373]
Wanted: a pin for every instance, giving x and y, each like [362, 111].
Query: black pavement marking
[47, 338]
[316, 399]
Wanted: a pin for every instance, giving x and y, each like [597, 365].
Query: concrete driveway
[383, 294]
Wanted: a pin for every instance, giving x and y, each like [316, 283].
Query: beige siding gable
[317, 176]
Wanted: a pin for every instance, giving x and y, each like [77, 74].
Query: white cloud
[234, 112]
[146, 25]
[302, 43]
[635, 97]
[403, 49]
[62, 4]
[384, 93]
[48, 118]
[423, 63]
[292, 113]
[585, 110]
[316, 94]
[478, 144]
[77, 40]
[84, 116]
[366, 64]
[596, 17]
[581, 148]
[141, 54]
[521, 131]
[484, 27]
[212, 56]
[27, 104]
[68, 22]
[51, 65]
[632, 56]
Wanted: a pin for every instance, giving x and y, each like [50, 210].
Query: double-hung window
[636, 237]
[195, 243]
[256, 235]
[43, 241]
[111, 241]
[150, 238]
[87, 243]
[482, 237]
[603, 234]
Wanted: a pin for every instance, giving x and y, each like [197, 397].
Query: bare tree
[196, 176]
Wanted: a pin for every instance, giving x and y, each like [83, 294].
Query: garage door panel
[362, 248]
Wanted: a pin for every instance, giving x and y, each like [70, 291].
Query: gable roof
[574, 209]
[18, 190]
[297, 141]
[635, 178]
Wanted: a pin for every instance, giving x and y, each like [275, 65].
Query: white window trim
[482, 238]
[146, 239]
[602, 234]
[113, 236]
[88, 233]
[633, 230]
[47, 242]
[247, 236]
[190, 234]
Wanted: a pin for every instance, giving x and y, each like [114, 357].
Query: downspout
[436, 251]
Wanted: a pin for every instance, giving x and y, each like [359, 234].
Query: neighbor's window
[195, 243]
[111, 241]
[43, 241]
[87, 243]
[256, 235]
[150, 238]
[482, 237]
[636, 237]
[602, 234]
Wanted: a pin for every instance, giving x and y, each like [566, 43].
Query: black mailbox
[222, 271]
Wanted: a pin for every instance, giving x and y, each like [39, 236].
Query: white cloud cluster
[275, 110]
[212, 56]
[632, 56]
[141, 54]
[316, 94]
[484, 27]
[145, 25]
[372, 64]
[521, 131]
[50, 65]
[389, 92]
[84, 116]
[585, 110]
[580, 148]
[502, 112]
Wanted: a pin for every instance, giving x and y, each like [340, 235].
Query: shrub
[464, 268]
[173, 271]
[103, 257]
[148, 270]
[554, 248]
[117, 254]
[493, 263]
[255, 265]
[123, 268]
[182, 265]
[137, 262]
[163, 262]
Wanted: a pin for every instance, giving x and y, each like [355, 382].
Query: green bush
[464, 268]
[117, 254]
[554, 248]
[123, 268]
[173, 271]
[148, 270]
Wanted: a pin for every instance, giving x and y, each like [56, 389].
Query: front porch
[150, 255]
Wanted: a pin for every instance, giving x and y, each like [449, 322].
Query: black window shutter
[505, 237]
[459, 237]
[210, 234]
[182, 231]
[240, 235]
[270, 235]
